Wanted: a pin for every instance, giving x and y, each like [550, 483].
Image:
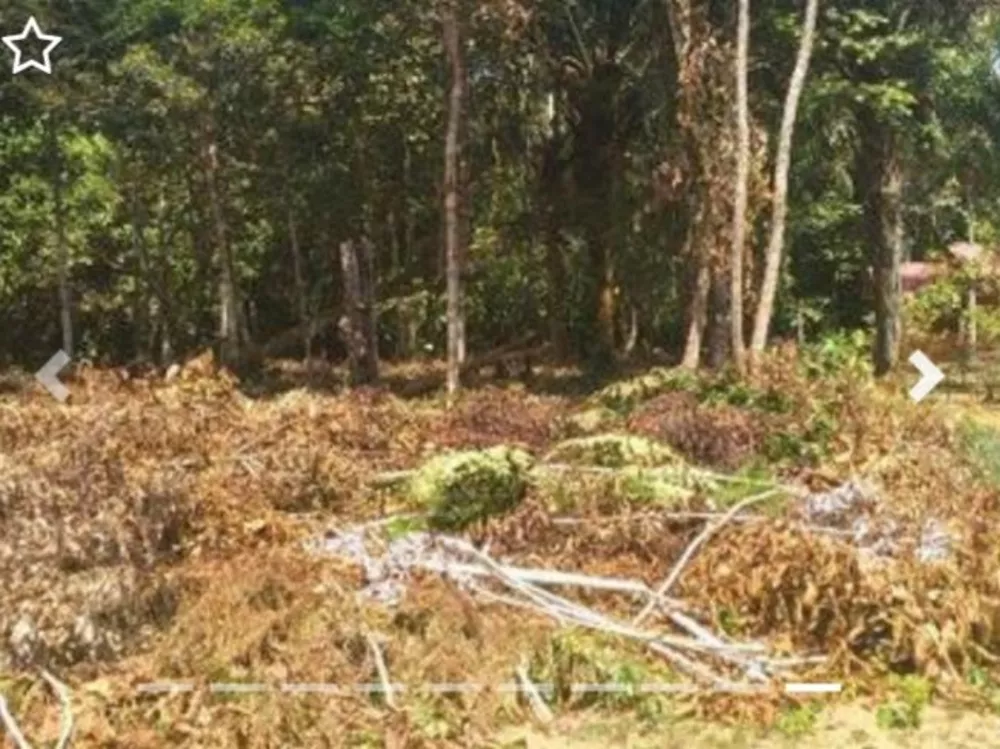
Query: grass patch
[981, 445]
[798, 721]
[905, 711]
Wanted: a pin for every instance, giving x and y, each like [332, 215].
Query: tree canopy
[187, 173]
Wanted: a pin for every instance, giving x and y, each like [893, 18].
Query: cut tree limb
[11, 727]
[66, 719]
[689, 552]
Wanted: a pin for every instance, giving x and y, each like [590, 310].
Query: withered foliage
[153, 531]
[719, 436]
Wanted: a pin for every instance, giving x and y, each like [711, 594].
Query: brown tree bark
[358, 324]
[703, 70]
[454, 191]
[302, 302]
[550, 197]
[782, 166]
[879, 181]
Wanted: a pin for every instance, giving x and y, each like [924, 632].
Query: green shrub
[589, 421]
[614, 451]
[457, 489]
[841, 352]
[906, 711]
[625, 395]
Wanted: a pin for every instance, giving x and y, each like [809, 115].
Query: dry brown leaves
[718, 436]
[150, 531]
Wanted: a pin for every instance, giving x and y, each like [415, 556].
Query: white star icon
[32, 28]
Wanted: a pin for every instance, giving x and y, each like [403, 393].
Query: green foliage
[312, 123]
[460, 488]
[799, 721]
[937, 307]
[726, 388]
[398, 527]
[588, 421]
[843, 353]
[913, 694]
[614, 451]
[981, 443]
[573, 658]
[625, 395]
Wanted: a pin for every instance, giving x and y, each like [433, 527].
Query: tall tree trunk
[145, 310]
[879, 179]
[358, 324]
[556, 266]
[703, 69]
[550, 198]
[165, 296]
[720, 313]
[740, 193]
[454, 191]
[697, 313]
[302, 303]
[230, 326]
[782, 166]
[62, 244]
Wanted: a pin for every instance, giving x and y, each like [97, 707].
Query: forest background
[604, 176]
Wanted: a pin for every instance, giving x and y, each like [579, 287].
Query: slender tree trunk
[556, 266]
[742, 184]
[782, 166]
[145, 306]
[62, 244]
[550, 198]
[165, 297]
[719, 344]
[691, 32]
[230, 327]
[358, 323]
[300, 286]
[454, 192]
[697, 317]
[973, 338]
[879, 177]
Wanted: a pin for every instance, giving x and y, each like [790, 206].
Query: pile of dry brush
[152, 531]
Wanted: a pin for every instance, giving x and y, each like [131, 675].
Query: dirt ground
[849, 725]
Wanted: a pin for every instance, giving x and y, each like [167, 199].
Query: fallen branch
[62, 692]
[549, 577]
[702, 537]
[383, 672]
[567, 611]
[10, 725]
[538, 706]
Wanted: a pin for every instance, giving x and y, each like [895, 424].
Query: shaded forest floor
[156, 532]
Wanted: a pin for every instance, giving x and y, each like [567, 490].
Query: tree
[703, 71]
[456, 249]
[741, 186]
[782, 166]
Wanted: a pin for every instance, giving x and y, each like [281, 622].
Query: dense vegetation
[188, 173]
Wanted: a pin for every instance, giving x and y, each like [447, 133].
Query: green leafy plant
[905, 711]
[798, 721]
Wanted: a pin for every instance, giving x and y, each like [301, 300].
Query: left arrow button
[48, 376]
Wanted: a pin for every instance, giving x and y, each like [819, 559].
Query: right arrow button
[931, 378]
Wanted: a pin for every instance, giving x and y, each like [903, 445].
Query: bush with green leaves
[614, 451]
[459, 488]
[842, 352]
